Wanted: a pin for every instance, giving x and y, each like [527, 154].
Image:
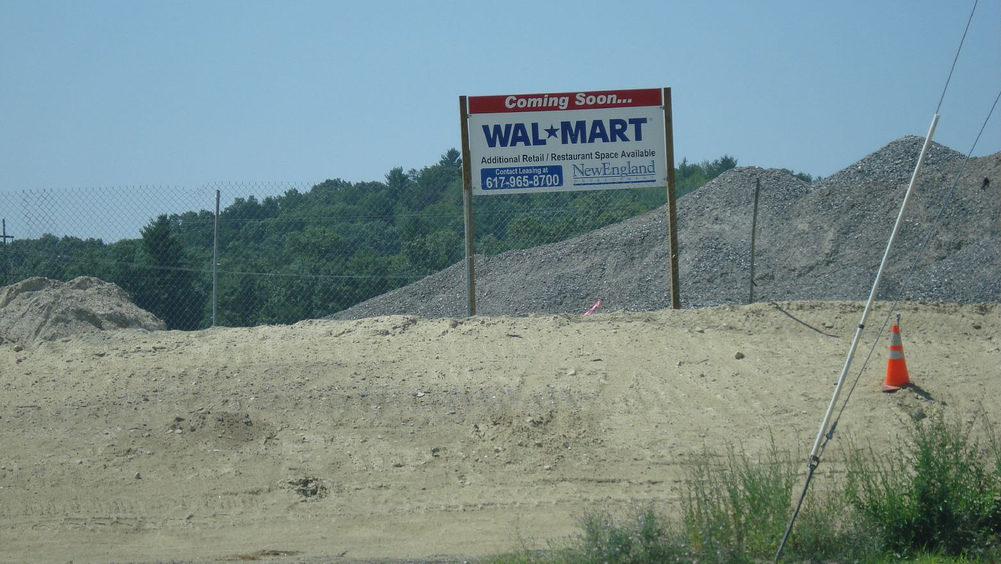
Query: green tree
[719, 166]
[436, 251]
[397, 182]
[165, 285]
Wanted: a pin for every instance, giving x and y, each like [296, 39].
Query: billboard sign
[602, 140]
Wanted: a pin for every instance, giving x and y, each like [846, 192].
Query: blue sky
[114, 93]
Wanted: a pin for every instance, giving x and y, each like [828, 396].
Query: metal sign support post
[467, 208]
[672, 208]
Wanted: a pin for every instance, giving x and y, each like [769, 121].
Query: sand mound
[400, 439]
[41, 309]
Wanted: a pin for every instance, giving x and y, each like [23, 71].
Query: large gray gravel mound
[814, 242]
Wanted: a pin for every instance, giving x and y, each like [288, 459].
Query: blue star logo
[551, 131]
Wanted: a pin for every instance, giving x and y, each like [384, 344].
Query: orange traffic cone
[896, 367]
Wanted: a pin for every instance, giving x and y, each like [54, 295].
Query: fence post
[3, 264]
[754, 229]
[215, 255]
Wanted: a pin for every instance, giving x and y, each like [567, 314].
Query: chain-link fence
[259, 253]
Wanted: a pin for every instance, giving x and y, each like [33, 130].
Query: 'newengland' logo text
[609, 173]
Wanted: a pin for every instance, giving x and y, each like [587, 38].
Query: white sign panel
[524, 143]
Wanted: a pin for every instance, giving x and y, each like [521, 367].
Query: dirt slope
[398, 437]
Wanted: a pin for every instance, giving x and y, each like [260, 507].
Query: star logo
[551, 131]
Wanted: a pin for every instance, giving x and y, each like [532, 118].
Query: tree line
[306, 255]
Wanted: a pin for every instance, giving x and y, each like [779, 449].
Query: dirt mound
[42, 309]
[400, 439]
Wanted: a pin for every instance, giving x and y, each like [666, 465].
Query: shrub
[640, 537]
[737, 511]
[937, 495]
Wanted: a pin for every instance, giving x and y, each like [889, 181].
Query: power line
[956, 58]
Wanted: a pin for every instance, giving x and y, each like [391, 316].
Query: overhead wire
[956, 58]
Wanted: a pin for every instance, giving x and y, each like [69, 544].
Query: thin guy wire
[956, 58]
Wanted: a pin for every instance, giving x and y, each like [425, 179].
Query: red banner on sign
[565, 101]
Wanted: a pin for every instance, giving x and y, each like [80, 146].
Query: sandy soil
[402, 438]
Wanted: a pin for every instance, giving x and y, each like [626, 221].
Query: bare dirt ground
[405, 438]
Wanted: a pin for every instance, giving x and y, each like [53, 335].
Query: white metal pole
[872, 293]
[814, 454]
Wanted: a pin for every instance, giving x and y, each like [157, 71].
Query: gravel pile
[821, 241]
